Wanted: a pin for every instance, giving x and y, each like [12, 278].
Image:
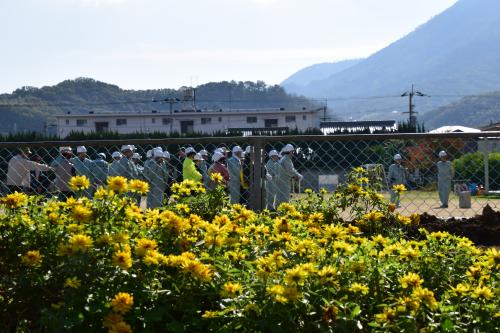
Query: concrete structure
[187, 121]
[455, 129]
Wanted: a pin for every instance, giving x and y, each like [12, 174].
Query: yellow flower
[120, 327]
[139, 186]
[425, 296]
[81, 213]
[373, 216]
[122, 259]
[80, 243]
[122, 303]
[295, 276]
[482, 292]
[73, 282]
[461, 289]
[411, 279]
[209, 314]
[387, 316]
[79, 183]
[183, 208]
[32, 258]
[118, 184]
[493, 257]
[399, 188]
[328, 274]
[359, 288]
[380, 240]
[231, 289]
[144, 245]
[216, 178]
[111, 319]
[15, 200]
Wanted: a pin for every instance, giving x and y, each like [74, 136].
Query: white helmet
[127, 147]
[273, 153]
[203, 152]
[166, 154]
[116, 154]
[288, 148]
[217, 156]
[64, 149]
[397, 157]
[81, 149]
[137, 156]
[157, 153]
[248, 149]
[189, 150]
[237, 149]
[197, 157]
[149, 153]
[102, 155]
[442, 153]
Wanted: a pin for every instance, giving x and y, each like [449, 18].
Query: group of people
[159, 171]
[397, 176]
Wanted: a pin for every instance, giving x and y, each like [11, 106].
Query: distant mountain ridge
[455, 53]
[30, 109]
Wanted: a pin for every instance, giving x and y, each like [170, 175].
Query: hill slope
[29, 109]
[299, 80]
[456, 52]
[471, 111]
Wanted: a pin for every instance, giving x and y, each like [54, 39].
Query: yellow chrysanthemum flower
[411, 280]
[425, 296]
[111, 319]
[231, 289]
[482, 292]
[72, 282]
[138, 186]
[81, 213]
[399, 188]
[461, 289]
[122, 303]
[15, 200]
[80, 243]
[32, 258]
[79, 183]
[120, 327]
[216, 178]
[118, 184]
[359, 288]
[144, 245]
[122, 259]
[387, 316]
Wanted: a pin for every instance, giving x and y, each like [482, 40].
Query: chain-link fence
[448, 175]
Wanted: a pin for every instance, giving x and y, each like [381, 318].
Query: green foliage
[470, 167]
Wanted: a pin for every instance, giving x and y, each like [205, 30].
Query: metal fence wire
[447, 175]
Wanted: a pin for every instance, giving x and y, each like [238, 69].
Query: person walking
[157, 176]
[396, 176]
[234, 168]
[218, 166]
[99, 170]
[82, 166]
[199, 163]
[126, 167]
[19, 171]
[204, 167]
[285, 175]
[64, 170]
[272, 172]
[189, 170]
[114, 167]
[445, 174]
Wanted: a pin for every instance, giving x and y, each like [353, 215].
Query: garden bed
[482, 229]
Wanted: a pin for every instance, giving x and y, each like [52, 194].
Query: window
[121, 122]
[81, 122]
[289, 119]
[304, 117]
[166, 121]
[153, 120]
[205, 121]
[67, 121]
[220, 119]
[251, 120]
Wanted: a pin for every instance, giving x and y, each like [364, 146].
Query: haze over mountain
[456, 53]
[31, 109]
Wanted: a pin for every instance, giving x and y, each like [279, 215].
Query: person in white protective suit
[83, 166]
[156, 175]
[114, 167]
[204, 167]
[445, 174]
[136, 159]
[285, 176]
[234, 168]
[126, 167]
[100, 170]
[396, 176]
[272, 172]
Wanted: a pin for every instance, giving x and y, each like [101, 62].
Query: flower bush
[338, 262]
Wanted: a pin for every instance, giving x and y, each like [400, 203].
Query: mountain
[31, 109]
[473, 111]
[298, 81]
[455, 53]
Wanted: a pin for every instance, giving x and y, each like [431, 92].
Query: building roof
[188, 113]
[491, 127]
[357, 124]
[455, 129]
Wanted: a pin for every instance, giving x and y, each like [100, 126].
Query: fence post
[486, 154]
[256, 199]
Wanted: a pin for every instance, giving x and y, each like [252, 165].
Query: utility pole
[171, 101]
[412, 121]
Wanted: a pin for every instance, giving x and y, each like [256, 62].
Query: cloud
[95, 3]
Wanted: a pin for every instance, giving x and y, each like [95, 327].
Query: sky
[149, 44]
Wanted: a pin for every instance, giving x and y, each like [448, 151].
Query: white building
[188, 121]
